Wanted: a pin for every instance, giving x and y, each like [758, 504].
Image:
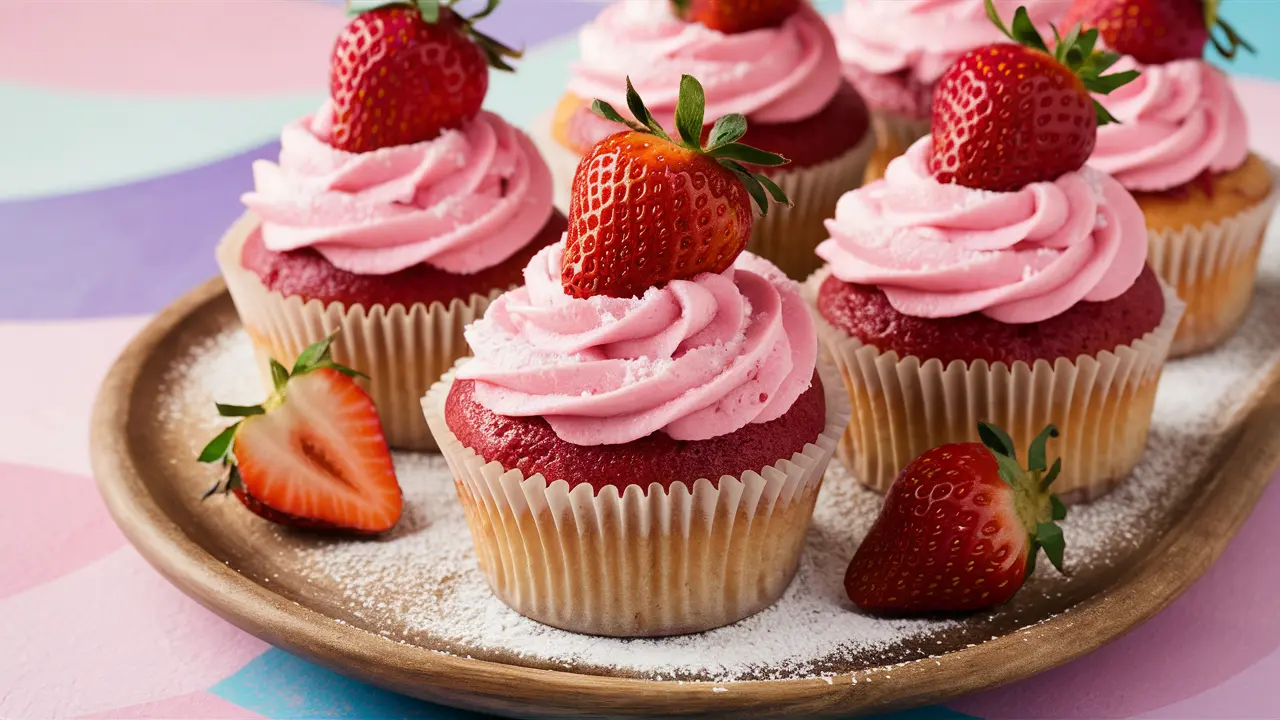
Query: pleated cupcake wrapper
[786, 236]
[403, 351]
[644, 561]
[789, 236]
[1102, 404]
[1213, 268]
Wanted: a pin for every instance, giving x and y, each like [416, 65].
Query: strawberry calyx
[432, 10]
[1075, 51]
[221, 449]
[1229, 45]
[1038, 509]
[722, 144]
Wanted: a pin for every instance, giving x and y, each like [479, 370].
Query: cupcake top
[921, 37]
[463, 201]
[696, 358]
[943, 250]
[1178, 120]
[400, 167]
[649, 317]
[770, 74]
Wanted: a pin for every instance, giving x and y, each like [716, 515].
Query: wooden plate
[224, 558]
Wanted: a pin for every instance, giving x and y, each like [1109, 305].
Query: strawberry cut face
[320, 455]
[313, 455]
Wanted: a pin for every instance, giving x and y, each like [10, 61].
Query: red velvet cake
[531, 446]
[1087, 328]
[992, 276]
[394, 235]
[642, 432]
[306, 274]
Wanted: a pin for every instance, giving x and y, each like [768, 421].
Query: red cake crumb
[834, 130]
[529, 444]
[307, 274]
[1088, 328]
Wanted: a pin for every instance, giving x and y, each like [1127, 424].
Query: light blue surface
[283, 687]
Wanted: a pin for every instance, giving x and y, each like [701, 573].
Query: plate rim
[1244, 462]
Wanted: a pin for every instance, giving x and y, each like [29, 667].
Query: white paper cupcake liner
[402, 350]
[786, 236]
[1213, 268]
[646, 561]
[1102, 404]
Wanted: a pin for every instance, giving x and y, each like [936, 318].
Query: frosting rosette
[923, 37]
[943, 250]
[695, 359]
[461, 202]
[771, 75]
[1177, 120]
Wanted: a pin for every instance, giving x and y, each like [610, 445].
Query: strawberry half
[735, 16]
[1158, 31]
[960, 529]
[1008, 115]
[313, 454]
[402, 71]
[646, 209]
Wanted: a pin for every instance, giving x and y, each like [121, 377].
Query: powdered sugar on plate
[421, 584]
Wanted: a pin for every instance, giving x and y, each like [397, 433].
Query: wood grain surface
[144, 469]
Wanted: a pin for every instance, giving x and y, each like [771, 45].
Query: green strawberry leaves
[722, 144]
[315, 357]
[1038, 509]
[1075, 51]
[689, 110]
[219, 449]
[495, 52]
[1231, 42]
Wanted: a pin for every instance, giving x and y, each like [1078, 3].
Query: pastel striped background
[126, 132]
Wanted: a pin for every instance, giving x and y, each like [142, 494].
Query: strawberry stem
[1075, 51]
[1038, 509]
[495, 52]
[722, 144]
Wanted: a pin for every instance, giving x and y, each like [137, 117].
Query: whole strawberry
[646, 209]
[960, 529]
[735, 16]
[404, 70]
[1157, 31]
[313, 455]
[1011, 114]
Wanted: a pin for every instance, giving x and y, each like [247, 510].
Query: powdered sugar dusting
[421, 585]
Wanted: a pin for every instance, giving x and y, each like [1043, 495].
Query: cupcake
[986, 281]
[1181, 147]
[395, 213]
[894, 51]
[640, 438]
[777, 66]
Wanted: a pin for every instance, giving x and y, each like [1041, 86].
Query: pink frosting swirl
[942, 250]
[462, 202]
[695, 359]
[771, 75]
[922, 36]
[1176, 121]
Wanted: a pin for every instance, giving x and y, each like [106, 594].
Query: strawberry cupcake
[1181, 147]
[983, 282]
[640, 438]
[774, 63]
[395, 214]
[894, 51]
